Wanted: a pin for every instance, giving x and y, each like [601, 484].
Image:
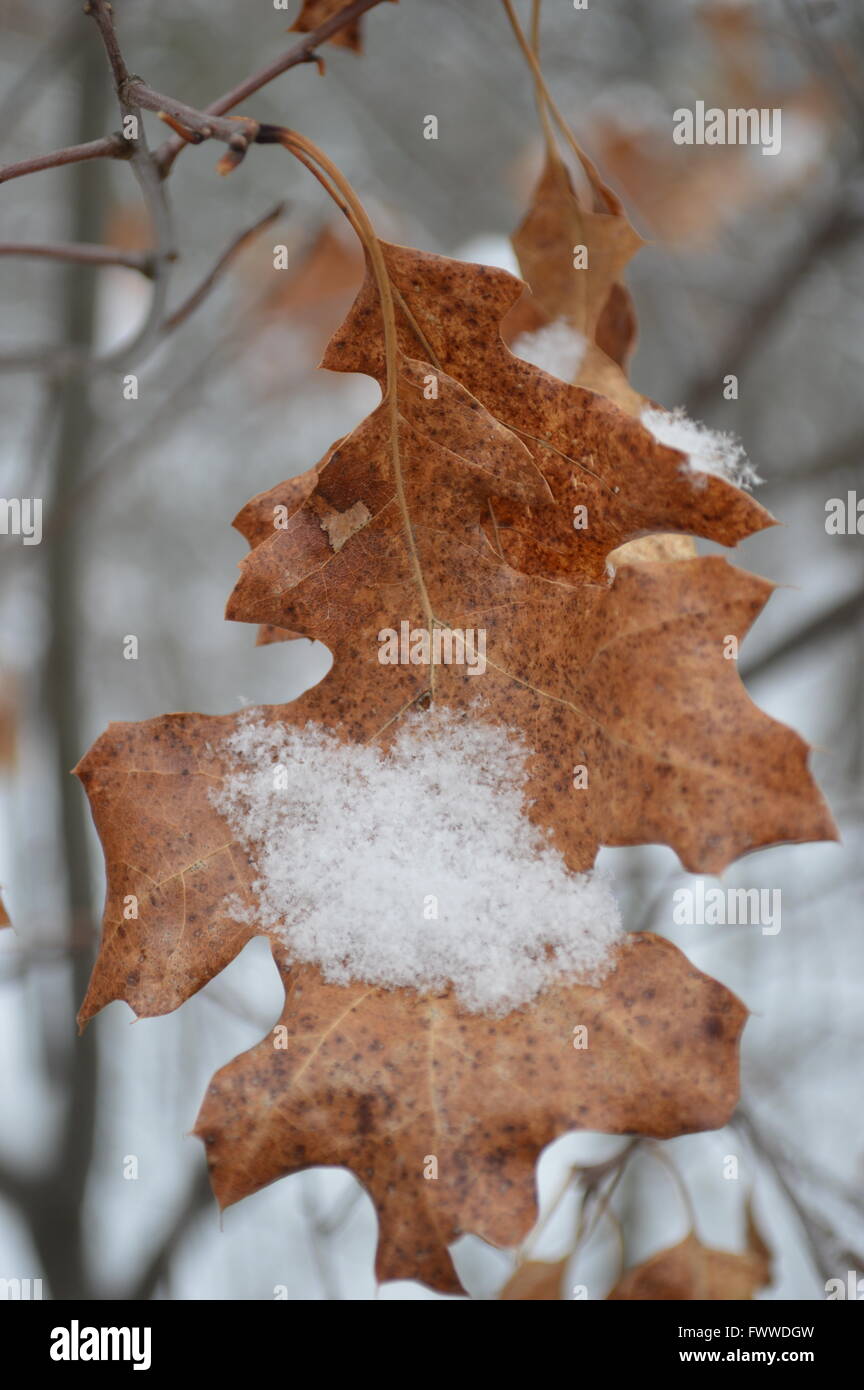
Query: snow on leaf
[590, 452]
[472, 894]
[629, 680]
[707, 451]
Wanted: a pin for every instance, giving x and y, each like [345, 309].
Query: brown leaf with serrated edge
[379, 1081]
[616, 330]
[589, 298]
[692, 1271]
[535, 1280]
[404, 525]
[544, 245]
[614, 676]
[630, 681]
[316, 12]
[264, 514]
[554, 227]
[588, 450]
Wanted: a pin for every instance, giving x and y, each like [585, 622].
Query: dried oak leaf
[690, 1270]
[555, 224]
[609, 673]
[588, 450]
[378, 1081]
[258, 519]
[609, 677]
[603, 673]
[535, 1281]
[590, 299]
[316, 12]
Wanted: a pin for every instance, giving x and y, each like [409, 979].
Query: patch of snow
[355, 850]
[556, 348]
[707, 450]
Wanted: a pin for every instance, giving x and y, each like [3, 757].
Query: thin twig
[198, 1198]
[828, 234]
[822, 627]
[819, 1237]
[81, 253]
[191, 303]
[109, 147]
[302, 52]
[66, 359]
[102, 15]
[133, 95]
[236, 131]
[152, 191]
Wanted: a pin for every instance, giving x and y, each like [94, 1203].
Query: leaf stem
[612, 201]
[337, 186]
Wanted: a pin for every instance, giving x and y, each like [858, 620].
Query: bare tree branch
[152, 190]
[109, 147]
[135, 95]
[237, 132]
[825, 1245]
[75, 357]
[81, 253]
[828, 233]
[190, 304]
[822, 627]
[197, 1200]
[302, 52]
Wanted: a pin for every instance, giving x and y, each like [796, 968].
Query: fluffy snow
[355, 850]
[707, 450]
[556, 347]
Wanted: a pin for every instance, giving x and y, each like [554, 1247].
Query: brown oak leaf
[627, 678]
[589, 451]
[316, 12]
[544, 243]
[557, 223]
[609, 674]
[690, 1270]
[535, 1281]
[590, 297]
[625, 675]
[381, 1081]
